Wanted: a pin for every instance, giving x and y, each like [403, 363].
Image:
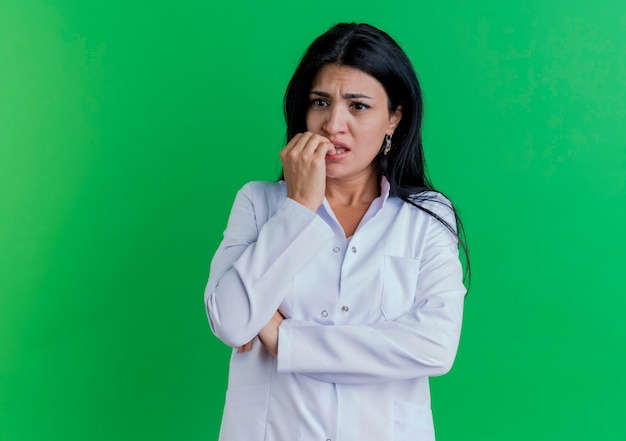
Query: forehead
[345, 79]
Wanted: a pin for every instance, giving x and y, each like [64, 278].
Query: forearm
[421, 343]
[250, 273]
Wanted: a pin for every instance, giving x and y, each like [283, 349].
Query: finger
[245, 348]
[325, 148]
[292, 149]
[315, 140]
[299, 150]
[307, 142]
[312, 147]
[296, 142]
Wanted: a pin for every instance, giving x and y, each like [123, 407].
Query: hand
[269, 334]
[304, 167]
[245, 348]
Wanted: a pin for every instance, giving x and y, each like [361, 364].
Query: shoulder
[433, 201]
[264, 197]
[436, 207]
[262, 190]
[436, 202]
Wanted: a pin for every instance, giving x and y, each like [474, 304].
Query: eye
[319, 102]
[359, 106]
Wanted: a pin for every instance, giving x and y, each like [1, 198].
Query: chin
[334, 174]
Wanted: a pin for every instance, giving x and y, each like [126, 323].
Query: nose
[336, 119]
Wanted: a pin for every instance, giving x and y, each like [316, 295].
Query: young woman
[340, 287]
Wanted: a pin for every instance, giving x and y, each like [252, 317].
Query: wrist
[307, 203]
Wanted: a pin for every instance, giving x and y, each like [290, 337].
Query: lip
[338, 156]
[338, 143]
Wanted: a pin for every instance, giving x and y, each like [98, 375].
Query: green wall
[127, 127]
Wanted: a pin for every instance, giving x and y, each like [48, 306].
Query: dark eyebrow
[346, 96]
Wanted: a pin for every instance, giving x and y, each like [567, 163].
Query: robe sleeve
[421, 342]
[253, 267]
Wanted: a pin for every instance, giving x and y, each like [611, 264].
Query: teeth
[339, 149]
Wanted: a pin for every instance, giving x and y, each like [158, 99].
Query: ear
[394, 119]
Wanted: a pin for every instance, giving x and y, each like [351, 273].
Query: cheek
[373, 131]
[311, 122]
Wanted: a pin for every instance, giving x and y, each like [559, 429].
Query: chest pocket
[399, 286]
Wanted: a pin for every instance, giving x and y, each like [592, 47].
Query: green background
[127, 127]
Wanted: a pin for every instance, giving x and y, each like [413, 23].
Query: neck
[354, 191]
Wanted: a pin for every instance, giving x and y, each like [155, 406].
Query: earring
[387, 145]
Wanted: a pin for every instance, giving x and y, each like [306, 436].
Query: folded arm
[421, 342]
[252, 269]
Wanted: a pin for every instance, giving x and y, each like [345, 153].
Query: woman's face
[350, 108]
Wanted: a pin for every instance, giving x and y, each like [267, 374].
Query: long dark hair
[374, 52]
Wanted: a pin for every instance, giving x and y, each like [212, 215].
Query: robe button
[344, 308]
[336, 249]
[324, 313]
